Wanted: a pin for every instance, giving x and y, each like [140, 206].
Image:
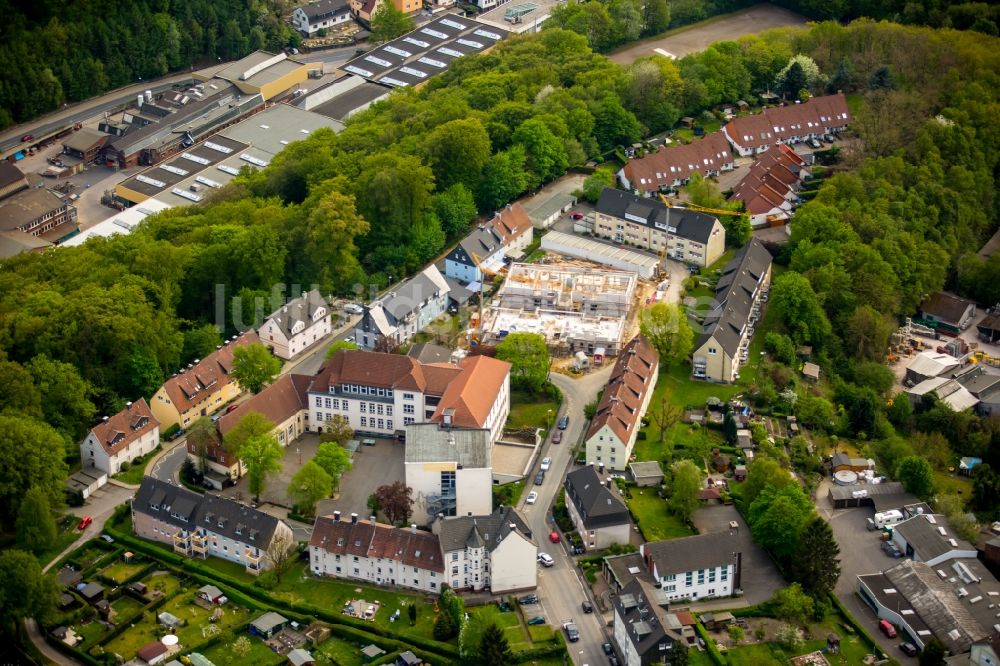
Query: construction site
[576, 307]
[919, 343]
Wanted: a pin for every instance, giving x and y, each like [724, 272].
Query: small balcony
[253, 560]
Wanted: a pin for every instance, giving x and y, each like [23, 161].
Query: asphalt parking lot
[760, 577]
[860, 553]
[374, 466]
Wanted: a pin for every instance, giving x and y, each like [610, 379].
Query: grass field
[752, 655]
[125, 607]
[528, 411]
[341, 652]
[299, 585]
[122, 571]
[946, 483]
[258, 655]
[655, 522]
[167, 584]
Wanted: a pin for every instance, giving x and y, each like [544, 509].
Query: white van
[885, 519]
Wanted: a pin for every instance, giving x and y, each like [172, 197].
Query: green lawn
[298, 585]
[135, 473]
[259, 654]
[946, 483]
[753, 655]
[190, 635]
[122, 571]
[528, 411]
[125, 607]
[167, 584]
[508, 494]
[90, 632]
[86, 555]
[698, 658]
[341, 652]
[655, 522]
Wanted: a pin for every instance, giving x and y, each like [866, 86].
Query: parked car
[537, 619]
[814, 144]
[572, 634]
[608, 649]
[578, 550]
[576, 216]
[540, 478]
[886, 628]
[563, 422]
[232, 408]
[557, 437]
[546, 464]
[613, 660]
[545, 559]
[528, 599]
[503, 606]
[353, 308]
[85, 523]
[532, 497]
[554, 537]
[909, 649]
[587, 606]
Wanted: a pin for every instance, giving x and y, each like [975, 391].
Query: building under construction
[575, 308]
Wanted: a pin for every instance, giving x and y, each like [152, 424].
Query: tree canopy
[529, 358]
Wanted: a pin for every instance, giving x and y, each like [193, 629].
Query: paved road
[561, 588]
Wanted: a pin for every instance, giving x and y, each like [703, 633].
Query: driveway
[374, 466]
[760, 578]
[860, 553]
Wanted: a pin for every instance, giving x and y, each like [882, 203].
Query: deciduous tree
[335, 460]
[337, 429]
[24, 590]
[529, 358]
[252, 424]
[33, 458]
[388, 23]
[685, 484]
[777, 517]
[395, 501]
[341, 345]
[35, 526]
[202, 435]
[596, 182]
[792, 604]
[309, 485]
[254, 367]
[916, 475]
[667, 329]
[262, 456]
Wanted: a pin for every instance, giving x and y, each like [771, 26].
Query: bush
[170, 432]
[124, 467]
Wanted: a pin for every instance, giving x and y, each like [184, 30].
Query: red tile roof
[472, 393]
[207, 377]
[633, 374]
[278, 402]
[125, 427]
[816, 116]
[511, 223]
[410, 547]
[678, 162]
[771, 177]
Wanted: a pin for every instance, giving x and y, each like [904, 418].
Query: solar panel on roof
[176, 170]
[217, 147]
[354, 69]
[393, 82]
[187, 195]
[195, 158]
[208, 181]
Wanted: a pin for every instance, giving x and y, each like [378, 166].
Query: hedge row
[710, 647]
[358, 636]
[131, 579]
[213, 576]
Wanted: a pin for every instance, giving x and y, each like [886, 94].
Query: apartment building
[507, 234]
[699, 567]
[685, 235]
[597, 513]
[395, 317]
[297, 325]
[121, 438]
[494, 552]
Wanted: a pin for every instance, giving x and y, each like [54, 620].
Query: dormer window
[340, 542]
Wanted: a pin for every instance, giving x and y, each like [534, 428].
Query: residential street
[561, 587]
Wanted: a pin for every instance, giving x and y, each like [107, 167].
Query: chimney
[104, 419]
[372, 519]
[128, 404]
[336, 516]
[608, 483]
[413, 527]
[448, 414]
[149, 96]
[354, 519]
[139, 100]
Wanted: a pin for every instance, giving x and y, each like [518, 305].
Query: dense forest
[57, 52]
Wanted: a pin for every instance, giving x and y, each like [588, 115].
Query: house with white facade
[642, 630]
[393, 318]
[366, 550]
[208, 525]
[699, 567]
[618, 419]
[312, 17]
[380, 393]
[449, 469]
[494, 552]
[484, 249]
[121, 438]
[297, 325]
[284, 403]
[597, 513]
